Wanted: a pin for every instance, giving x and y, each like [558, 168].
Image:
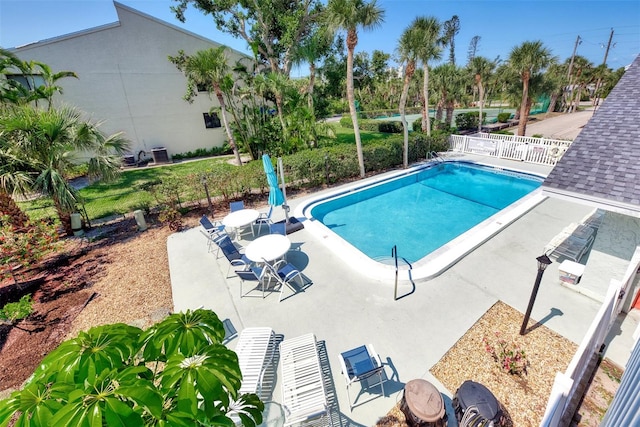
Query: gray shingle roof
[602, 166]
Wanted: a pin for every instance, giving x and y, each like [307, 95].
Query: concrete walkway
[346, 309]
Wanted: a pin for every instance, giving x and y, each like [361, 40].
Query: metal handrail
[394, 255]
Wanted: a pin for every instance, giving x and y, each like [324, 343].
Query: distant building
[127, 82]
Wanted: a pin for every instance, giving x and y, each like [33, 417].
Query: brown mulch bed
[123, 276]
[523, 397]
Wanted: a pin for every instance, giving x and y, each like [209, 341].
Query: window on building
[202, 87]
[211, 120]
[28, 81]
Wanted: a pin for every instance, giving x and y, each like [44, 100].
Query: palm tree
[46, 144]
[210, 68]
[348, 15]
[430, 49]
[275, 84]
[481, 68]
[528, 59]
[407, 48]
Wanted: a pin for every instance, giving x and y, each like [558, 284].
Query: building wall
[127, 83]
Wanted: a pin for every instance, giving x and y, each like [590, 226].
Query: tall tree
[451, 29]
[349, 15]
[209, 68]
[481, 68]
[274, 29]
[408, 46]
[380, 65]
[312, 50]
[473, 48]
[528, 59]
[429, 48]
[46, 144]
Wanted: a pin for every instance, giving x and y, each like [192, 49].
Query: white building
[126, 81]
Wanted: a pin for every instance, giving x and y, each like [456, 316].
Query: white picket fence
[566, 384]
[524, 148]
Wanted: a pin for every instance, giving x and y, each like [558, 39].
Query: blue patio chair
[213, 240]
[253, 274]
[264, 219]
[211, 227]
[285, 273]
[236, 206]
[278, 228]
[359, 365]
[233, 255]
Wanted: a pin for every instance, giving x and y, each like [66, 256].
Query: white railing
[524, 148]
[566, 384]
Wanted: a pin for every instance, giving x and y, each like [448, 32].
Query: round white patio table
[267, 248]
[241, 218]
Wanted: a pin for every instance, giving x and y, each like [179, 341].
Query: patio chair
[255, 349]
[303, 393]
[358, 365]
[233, 255]
[253, 274]
[211, 227]
[285, 273]
[236, 206]
[278, 228]
[264, 219]
[213, 240]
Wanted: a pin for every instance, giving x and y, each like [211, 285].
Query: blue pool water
[420, 212]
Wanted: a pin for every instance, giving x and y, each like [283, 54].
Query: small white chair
[264, 219]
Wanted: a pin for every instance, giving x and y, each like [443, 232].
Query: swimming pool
[425, 212]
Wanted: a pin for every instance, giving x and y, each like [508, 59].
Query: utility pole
[573, 55]
[604, 62]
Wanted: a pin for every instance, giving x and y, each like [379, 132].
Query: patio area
[345, 308]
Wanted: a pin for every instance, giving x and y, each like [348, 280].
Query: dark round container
[422, 405]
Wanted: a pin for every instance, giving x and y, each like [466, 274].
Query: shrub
[177, 372]
[13, 311]
[417, 124]
[503, 132]
[389, 126]
[203, 152]
[509, 356]
[503, 117]
[469, 120]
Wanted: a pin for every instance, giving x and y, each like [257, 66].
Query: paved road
[566, 126]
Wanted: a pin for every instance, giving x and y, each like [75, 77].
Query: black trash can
[160, 155]
[422, 405]
[475, 405]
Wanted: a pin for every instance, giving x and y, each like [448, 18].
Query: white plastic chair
[303, 393]
[255, 349]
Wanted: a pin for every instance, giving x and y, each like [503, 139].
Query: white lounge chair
[303, 393]
[255, 349]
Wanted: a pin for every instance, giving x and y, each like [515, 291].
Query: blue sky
[501, 25]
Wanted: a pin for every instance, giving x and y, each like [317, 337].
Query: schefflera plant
[176, 373]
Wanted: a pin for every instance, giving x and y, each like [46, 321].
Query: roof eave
[598, 202]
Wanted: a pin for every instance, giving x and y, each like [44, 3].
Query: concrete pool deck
[344, 308]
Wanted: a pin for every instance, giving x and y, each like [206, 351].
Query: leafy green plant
[176, 373]
[509, 356]
[13, 311]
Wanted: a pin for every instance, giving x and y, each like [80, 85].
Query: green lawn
[126, 194]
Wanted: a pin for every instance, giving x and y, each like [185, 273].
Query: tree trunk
[403, 101]
[352, 40]
[223, 113]
[480, 100]
[312, 82]
[426, 119]
[524, 112]
[64, 217]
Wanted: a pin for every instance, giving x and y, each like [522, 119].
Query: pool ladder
[394, 255]
[435, 156]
